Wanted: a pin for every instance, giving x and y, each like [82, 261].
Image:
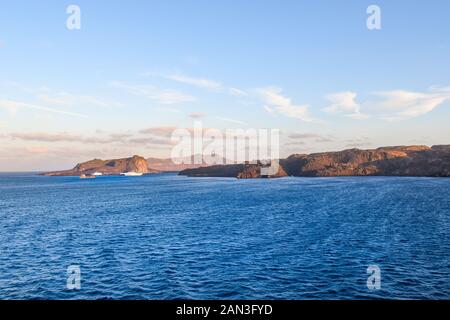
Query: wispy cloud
[46, 95]
[401, 104]
[269, 110]
[237, 92]
[135, 138]
[164, 96]
[69, 99]
[16, 105]
[274, 98]
[193, 81]
[391, 105]
[344, 102]
[164, 131]
[200, 82]
[301, 138]
[232, 120]
[47, 137]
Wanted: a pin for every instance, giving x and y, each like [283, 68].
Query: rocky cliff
[107, 167]
[385, 161]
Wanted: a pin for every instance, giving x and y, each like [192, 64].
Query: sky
[137, 70]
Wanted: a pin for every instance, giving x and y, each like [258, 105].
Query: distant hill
[169, 165]
[385, 161]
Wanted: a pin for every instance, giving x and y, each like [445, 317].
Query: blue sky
[138, 68]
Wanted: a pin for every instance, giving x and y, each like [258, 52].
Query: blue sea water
[168, 237]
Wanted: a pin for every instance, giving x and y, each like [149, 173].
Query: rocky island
[135, 164]
[421, 161]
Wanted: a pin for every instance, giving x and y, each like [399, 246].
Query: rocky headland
[420, 161]
[136, 164]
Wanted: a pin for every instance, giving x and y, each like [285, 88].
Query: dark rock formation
[385, 161]
[107, 167]
[230, 170]
[241, 171]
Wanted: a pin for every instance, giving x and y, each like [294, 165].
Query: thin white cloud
[69, 99]
[269, 110]
[16, 105]
[302, 136]
[237, 92]
[163, 96]
[197, 82]
[164, 131]
[344, 102]
[391, 105]
[232, 120]
[46, 96]
[274, 98]
[401, 104]
[47, 137]
[113, 138]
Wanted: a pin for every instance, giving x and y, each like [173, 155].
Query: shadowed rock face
[107, 167]
[385, 161]
[231, 170]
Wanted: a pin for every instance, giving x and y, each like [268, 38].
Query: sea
[165, 236]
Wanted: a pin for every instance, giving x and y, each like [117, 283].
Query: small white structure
[97, 174]
[131, 174]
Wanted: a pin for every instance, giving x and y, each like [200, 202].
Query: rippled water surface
[165, 237]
